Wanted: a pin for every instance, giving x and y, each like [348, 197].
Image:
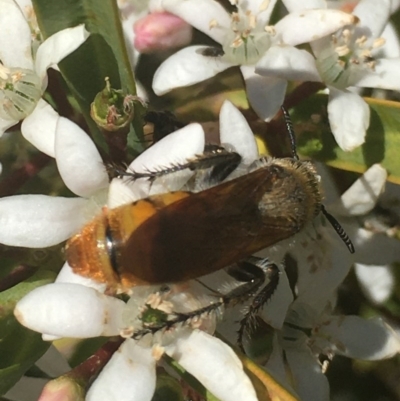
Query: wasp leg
[272, 272]
[221, 162]
[250, 271]
[175, 319]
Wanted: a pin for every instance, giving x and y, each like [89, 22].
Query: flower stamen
[20, 90]
[347, 58]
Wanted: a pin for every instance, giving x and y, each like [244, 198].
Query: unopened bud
[112, 109]
[161, 31]
[63, 388]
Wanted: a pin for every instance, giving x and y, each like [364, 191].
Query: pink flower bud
[63, 388]
[161, 31]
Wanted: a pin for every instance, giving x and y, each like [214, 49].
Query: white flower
[352, 57]
[373, 269]
[38, 221]
[245, 38]
[75, 310]
[311, 328]
[23, 76]
[310, 331]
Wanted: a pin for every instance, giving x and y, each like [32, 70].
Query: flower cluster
[109, 285]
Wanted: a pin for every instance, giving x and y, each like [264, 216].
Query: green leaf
[103, 55]
[167, 388]
[20, 348]
[381, 145]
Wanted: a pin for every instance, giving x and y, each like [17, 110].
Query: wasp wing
[207, 231]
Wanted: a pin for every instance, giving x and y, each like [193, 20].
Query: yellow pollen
[252, 21]
[157, 352]
[154, 300]
[237, 42]
[235, 17]
[270, 29]
[166, 307]
[378, 42]
[4, 72]
[264, 5]
[346, 34]
[213, 23]
[127, 332]
[17, 76]
[342, 50]
[366, 53]
[341, 63]
[361, 40]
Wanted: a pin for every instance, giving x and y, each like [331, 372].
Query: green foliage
[103, 55]
[20, 348]
[316, 141]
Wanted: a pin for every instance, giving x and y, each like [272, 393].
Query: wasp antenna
[290, 130]
[339, 229]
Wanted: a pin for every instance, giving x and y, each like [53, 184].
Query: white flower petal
[308, 25]
[386, 75]
[358, 338]
[288, 62]
[276, 365]
[362, 196]
[265, 94]
[66, 275]
[295, 5]
[49, 337]
[15, 37]
[130, 375]
[367, 242]
[214, 365]
[274, 312]
[323, 262]
[70, 310]
[38, 221]
[57, 47]
[39, 128]
[391, 49]
[122, 192]
[78, 161]
[373, 16]
[310, 383]
[394, 6]
[172, 150]
[377, 282]
[235, 131]
[197, 13]
[5, 124]
[348, 117]
[257, 8]
[186, 67]
[175, 148]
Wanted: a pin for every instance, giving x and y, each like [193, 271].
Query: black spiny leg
[272, 272]
[221, 162]
[250, 271]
